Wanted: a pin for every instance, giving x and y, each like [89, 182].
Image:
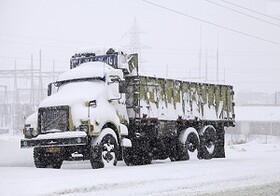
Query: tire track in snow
[106, 187]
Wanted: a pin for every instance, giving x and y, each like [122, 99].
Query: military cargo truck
[102, 110]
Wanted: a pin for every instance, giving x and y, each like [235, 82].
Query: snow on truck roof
[100, 50]
[85, 70]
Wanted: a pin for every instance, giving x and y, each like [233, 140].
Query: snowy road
[249, 169]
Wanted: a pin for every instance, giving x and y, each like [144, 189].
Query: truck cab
[84, 114]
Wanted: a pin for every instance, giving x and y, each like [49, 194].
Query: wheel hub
[108, 154]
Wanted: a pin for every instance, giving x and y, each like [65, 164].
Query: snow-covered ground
[249, 169]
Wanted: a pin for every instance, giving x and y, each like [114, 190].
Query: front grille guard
[53, 119]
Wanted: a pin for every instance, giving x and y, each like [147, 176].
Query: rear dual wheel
[189, 143]
[208, 142]
[203, 146]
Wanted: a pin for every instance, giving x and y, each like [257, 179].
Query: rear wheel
[104, 150]
[133, 156]
[208, 142]
[189, 139]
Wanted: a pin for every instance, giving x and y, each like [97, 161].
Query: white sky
[60, 27]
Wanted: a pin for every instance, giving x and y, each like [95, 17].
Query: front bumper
[75, 138]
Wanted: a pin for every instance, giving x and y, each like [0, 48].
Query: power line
[251, 10]
[33, 44]
[46, 39]
[212, 23]
[22, 58]
[217, 4]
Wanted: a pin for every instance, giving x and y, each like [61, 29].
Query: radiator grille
[53, 119]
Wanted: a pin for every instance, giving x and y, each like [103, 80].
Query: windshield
[75, 91]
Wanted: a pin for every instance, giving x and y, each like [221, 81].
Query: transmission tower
[135, 45]
[135, 32]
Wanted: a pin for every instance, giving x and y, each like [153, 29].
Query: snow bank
[255, 146]
[12, 155]
[257, 113]
[247, 166]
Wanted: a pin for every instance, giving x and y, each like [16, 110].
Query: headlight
[34, 132]
[79, 140]
[27, 133]
[83, 128]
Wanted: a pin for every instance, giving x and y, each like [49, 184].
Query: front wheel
[104, 149]
[44, 159]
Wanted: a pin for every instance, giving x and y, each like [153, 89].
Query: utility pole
[53, 70]
[200, 54]
[32, 99]
[4, 110]
[224, 75]
[276, 98]
[15, 102]
[217, 74]
[206, 66]
[40, 77]
[166, 71]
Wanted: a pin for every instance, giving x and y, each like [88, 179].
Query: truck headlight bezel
[83, 128]
[34, 132]
[27, 132]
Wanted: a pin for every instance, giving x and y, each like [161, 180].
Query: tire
[42, 159]
[104, 150]
[133, 156]
[128, 156]
[220, 144]
[192, 142]
[208, 142]
[189, 142]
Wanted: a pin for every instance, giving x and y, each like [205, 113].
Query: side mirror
[52, 88]
[122, 86]
[92, 104]
[49, 89]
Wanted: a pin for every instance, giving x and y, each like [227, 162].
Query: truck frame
[104, 111]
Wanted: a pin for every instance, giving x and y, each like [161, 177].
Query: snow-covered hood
[75, 92]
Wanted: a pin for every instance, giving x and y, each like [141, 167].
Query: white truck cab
[84, 108]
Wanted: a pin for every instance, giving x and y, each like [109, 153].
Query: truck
[104, 111]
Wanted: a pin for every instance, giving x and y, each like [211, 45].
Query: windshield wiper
[53, 121]
[58, 83]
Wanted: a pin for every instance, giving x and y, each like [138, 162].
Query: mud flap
[220, 144]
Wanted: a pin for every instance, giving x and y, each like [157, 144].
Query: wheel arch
[203, 129]
[112, 126]
[184, 134]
